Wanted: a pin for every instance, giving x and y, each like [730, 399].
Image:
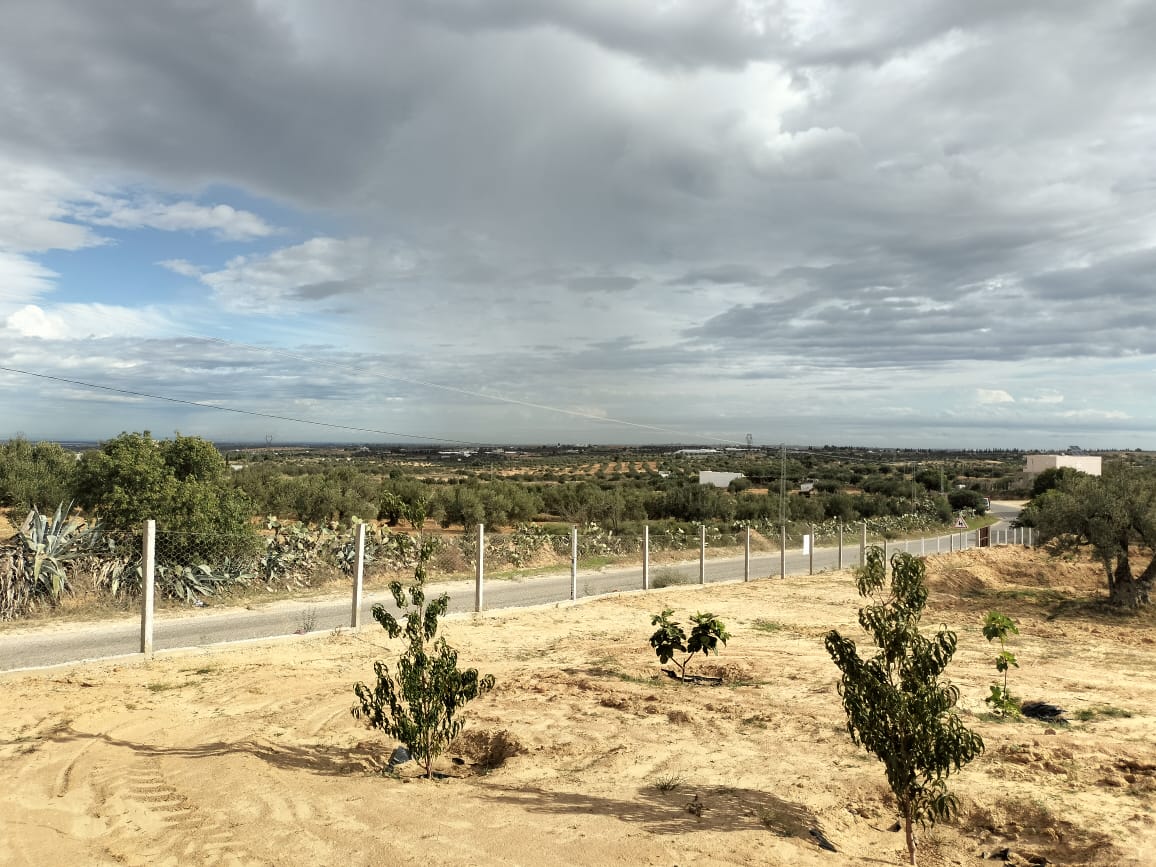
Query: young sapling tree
[671, 639]
[999, 626]
[420, 702]
[895, 703]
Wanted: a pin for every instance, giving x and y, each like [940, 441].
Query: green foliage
[189, 583]
[183, 484]
[51, 543]
[420, 702]
[895, 703]
[37, 566]
[1113, 514]
[967, 499]
[34, 475]
[1051, 478]
[671, 639]
[997, 626]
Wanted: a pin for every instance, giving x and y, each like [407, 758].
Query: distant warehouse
[719, 480]
[1089, 464]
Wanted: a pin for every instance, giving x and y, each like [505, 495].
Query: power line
[202, 405]
[588, 416]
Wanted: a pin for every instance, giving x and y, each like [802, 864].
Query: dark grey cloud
[327, 289]
[682, 33]
[724, 274]
[608, 283]
[712, 190]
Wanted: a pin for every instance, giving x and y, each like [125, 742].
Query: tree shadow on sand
[317, 758]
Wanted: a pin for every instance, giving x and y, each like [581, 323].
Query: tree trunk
[910, 833]
[1128, 591]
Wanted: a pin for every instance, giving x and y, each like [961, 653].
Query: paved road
[53, 645]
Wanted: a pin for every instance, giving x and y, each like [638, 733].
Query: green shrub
[670, 638]
[420, 702]
[895, 703]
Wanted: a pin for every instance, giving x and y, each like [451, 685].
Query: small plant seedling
[668, 783]
[307, 622]
[671, 639]
[421, 700]
[999, 626]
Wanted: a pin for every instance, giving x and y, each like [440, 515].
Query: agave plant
[189, 583]
[50, 543]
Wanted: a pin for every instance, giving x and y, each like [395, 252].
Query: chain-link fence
[53, 556]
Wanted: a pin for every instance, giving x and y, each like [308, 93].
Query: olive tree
[182, 483]
[1114, 514]
[35, 475]
[897, 706]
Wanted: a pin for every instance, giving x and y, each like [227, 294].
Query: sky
[922, 223]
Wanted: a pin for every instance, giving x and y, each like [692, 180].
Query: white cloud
[34, 212]
[300, 276]
[1045, 397]
[22, 279]
[987, 396]
[224, 221]
[84, 321]
[1095, 414]
[181, 266]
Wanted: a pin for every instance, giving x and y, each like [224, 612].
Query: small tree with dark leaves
[420, 702]
[896, 705]
[670, 638]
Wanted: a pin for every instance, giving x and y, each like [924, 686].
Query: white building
[719, 480]
[1090, 464]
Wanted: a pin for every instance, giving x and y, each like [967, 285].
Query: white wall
[1092, 465]
[719, 480]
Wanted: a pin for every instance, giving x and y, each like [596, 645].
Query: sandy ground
[249, 754]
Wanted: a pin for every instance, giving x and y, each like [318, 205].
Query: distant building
[696, 452]
[719, 480]
[1090, 464]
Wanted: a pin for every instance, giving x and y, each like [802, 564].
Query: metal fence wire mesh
[54, 555]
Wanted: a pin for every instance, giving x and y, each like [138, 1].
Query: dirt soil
[585, 754]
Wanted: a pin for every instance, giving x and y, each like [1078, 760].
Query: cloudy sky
[921, 223]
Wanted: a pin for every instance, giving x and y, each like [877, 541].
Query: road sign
[960, 524]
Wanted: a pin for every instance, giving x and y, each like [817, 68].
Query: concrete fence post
[811, 561]
[840, 561]
[148, 583]
[358, 575]
[702, 554]
[479, 577]
[646, 557]
[573, 563]
[747, 556]
[863, 546]
[783, 551]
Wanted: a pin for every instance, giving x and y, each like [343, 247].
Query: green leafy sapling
[671, 639]
[999, 626]
[420, 702]
[896, 705]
